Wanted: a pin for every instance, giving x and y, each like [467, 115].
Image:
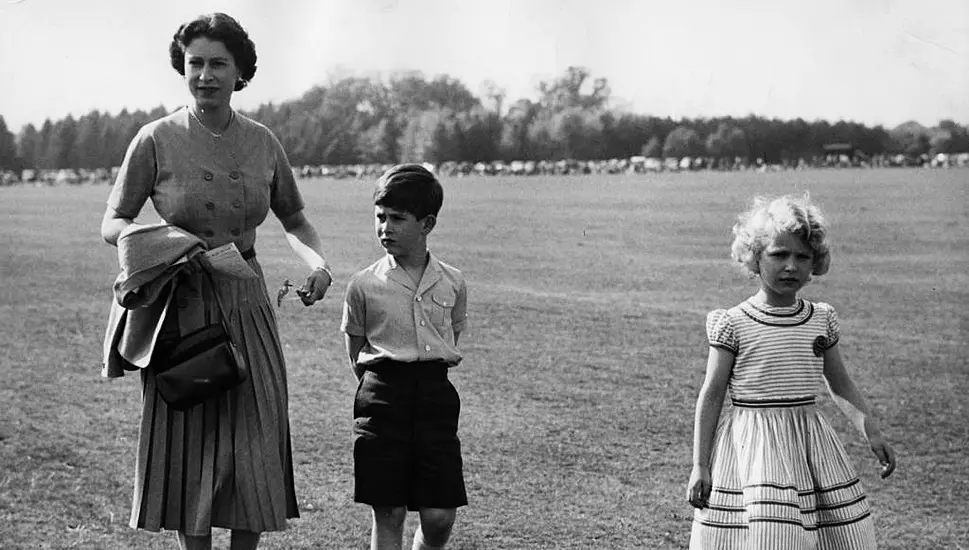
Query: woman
[216, 174]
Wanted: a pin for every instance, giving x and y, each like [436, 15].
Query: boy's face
[400, 233]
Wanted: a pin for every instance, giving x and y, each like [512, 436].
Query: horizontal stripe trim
[821, 525]
[800, 492]
[827, 507]
[773, 403]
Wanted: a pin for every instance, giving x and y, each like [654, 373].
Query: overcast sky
[871, 61]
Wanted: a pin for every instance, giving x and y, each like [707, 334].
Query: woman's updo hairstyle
[222, 28]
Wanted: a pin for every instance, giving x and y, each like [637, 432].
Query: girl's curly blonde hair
[768, 217]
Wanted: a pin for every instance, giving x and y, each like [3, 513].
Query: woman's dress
[228, 462]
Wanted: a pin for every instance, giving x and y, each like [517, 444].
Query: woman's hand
[316, 285]
[698, 491]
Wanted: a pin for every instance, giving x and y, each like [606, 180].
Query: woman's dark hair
[222, 28]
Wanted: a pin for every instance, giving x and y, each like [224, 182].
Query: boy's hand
[315, 288]
[698, 491]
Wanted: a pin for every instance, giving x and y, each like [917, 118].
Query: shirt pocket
[441, 309]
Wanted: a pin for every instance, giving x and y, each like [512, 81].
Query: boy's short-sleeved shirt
[401, 320]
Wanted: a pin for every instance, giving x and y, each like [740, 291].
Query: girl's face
[785, 267]
[211, 73]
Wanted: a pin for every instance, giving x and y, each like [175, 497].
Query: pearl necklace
[232, 115]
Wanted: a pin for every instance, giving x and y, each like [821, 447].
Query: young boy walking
[402, 318]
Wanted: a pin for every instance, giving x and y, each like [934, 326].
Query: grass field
[584, 356]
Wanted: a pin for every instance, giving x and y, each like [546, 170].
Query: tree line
[409, 117]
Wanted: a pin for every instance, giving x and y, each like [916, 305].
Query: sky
[870, 61]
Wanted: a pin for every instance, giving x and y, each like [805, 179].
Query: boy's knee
[390, 516]
[436, 524]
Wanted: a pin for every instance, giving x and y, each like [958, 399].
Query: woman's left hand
[315, 288]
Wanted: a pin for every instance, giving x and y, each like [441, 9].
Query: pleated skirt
[781, 480]
[227, 462]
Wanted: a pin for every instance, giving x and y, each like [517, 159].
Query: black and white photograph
[475, 275]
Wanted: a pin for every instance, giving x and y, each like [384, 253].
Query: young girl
[772, 473]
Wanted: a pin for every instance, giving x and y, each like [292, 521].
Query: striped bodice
[778, 350]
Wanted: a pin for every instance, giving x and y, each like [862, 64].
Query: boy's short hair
[410, 188]
[769, 217]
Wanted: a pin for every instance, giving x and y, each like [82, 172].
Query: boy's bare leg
[188, 542]
[244, 540]
[387, 532]
[435, 528]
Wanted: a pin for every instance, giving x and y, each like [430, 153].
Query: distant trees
[408, 117]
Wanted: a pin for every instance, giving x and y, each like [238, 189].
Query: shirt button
[210, 205]
[422, 323]
[427, 348]
[235, 232]
[234, 175]
[419, 299]
[237, 203]
[208, 176]
[209, 233]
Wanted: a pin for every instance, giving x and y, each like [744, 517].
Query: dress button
[235, 232]
[237, 203]
[208, 176]
[210, 205]
[209, 233]
[234, 175]
[427, 348]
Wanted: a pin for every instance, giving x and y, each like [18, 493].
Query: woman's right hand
[698, 491]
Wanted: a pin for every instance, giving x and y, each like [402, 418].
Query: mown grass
[583, 359]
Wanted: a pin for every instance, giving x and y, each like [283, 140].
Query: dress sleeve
[720, 332]
[136, 176]
[354, 310]
[285, 199]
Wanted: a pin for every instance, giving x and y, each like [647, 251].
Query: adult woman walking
[215, 173]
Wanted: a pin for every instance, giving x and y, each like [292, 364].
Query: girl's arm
[354, 345]
[852, 404]
[708, 405]
[305, 242]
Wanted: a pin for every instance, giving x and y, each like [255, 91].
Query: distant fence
[632, 165]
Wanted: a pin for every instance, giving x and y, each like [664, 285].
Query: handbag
[199, 365]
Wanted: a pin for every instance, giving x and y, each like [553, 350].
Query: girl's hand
[886, 457]
[317, 284]
[698, 491]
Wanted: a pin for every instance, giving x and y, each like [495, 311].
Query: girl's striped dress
[781, 478]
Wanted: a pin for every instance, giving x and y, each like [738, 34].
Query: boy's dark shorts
[406, 450]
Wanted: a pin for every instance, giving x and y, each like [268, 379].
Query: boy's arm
[844, 392]
[354, 345]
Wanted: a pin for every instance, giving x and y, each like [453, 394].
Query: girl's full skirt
[781, 479]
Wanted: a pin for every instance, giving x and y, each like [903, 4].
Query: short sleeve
[136, 176]
[285, 198]
[833, 326]
[720, 331]
[459, 314]
[354, 310]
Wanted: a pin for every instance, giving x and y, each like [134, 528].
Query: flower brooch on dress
[820, 344]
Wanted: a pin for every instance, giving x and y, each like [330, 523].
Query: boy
[402, 317]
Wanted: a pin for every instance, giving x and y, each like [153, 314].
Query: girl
[775, 475]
